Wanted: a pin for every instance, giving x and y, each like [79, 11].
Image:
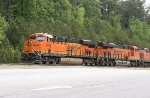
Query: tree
[3, 28]
[131, 8]
[109, 7]
[139, 32]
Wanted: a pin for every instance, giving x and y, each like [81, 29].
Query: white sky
[147, 2]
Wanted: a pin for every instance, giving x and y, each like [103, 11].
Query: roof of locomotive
[90, 42]
[135, 47]
[45, 34]
[103, 44]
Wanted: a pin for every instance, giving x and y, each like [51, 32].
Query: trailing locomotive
[45, 48]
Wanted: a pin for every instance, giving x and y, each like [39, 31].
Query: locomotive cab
[37, 38]
[134, 53]
[36, 43]
[40, 37]
[144, 54]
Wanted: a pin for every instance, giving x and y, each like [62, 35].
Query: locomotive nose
[32, 46]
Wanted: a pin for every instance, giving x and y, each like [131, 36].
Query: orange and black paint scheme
[46, 48]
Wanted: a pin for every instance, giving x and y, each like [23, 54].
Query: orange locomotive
[45, 48]
[50, 49]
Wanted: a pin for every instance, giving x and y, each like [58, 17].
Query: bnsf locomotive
[45, 48]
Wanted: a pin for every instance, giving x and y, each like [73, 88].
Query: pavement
[74, 82]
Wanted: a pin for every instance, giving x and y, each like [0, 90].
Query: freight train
[47, 49]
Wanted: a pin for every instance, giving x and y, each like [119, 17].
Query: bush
[8, 54]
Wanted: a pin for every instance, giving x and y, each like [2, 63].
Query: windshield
[32, 37]
[40, 38]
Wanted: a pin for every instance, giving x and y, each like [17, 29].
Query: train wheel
[91, 64]
[58, 60]
[138, 64]
[148, 64]
[111, 63]
[141, 64]
[131, 64]
[51, 62]
[144, 64]
[86, 64]
[44, 62]
[134, 64]
[114, 63]
[96, 63]
[106, 63]
[103, 63]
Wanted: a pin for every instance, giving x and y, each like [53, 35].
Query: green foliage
[131, 8]
[8, 54]
[139, 32]
[117, 21]
[3, 28]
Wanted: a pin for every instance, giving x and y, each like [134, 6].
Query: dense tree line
[117, 21]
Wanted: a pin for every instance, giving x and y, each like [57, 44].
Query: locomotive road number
[73, 47]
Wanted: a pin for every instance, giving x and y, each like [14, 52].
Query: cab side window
[49, 39]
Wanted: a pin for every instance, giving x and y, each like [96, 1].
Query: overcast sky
[147, 2]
